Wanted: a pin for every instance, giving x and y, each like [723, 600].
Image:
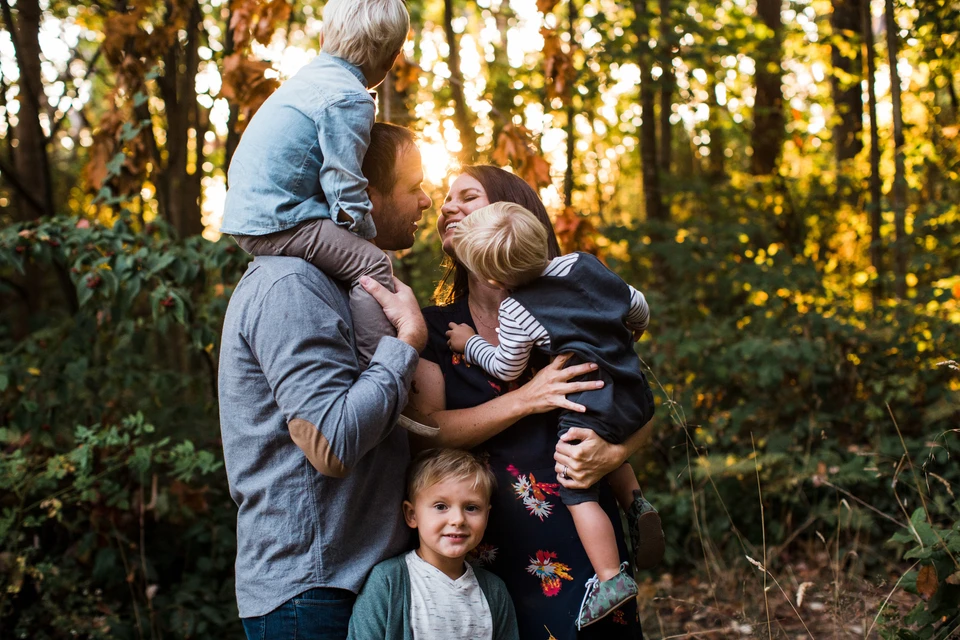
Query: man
[315, 464]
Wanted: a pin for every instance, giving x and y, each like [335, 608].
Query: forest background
[779, 177]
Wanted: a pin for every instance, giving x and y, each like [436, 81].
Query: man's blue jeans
[317, 614]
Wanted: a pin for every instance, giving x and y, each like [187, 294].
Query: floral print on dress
[549, 571]
[533, 493]
[483, 555]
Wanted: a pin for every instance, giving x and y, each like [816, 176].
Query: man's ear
[320, 39]
[376, 200]
[409, 515]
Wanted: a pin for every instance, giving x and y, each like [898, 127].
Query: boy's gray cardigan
[382, 610]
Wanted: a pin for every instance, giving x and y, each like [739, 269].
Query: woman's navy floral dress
[531, 542]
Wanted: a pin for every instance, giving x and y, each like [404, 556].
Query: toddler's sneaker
[603, 598]
[646, 534]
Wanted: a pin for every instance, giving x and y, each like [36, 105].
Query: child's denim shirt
[300, 157]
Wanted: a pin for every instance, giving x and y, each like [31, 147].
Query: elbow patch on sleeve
[316, 447]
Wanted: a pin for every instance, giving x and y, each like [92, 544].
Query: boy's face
[450, 518]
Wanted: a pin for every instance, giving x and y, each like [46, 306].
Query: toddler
[296, 186]
[572, 303]
[432, 592]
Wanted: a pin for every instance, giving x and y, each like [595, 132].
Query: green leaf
[115, 165]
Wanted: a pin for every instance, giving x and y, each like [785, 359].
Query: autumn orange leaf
[245, 84]
[405, 74]
[575, 232]
[515, 147]
[927, 582]
[546, 6]
[256, 20]
[558, 69]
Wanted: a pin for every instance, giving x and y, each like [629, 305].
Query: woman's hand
[582, 465]
[548, 389]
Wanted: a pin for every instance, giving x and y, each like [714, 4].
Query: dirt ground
[812, 600]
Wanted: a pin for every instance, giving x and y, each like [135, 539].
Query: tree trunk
[952, 93]
[393, 102]
[899, 190]
[768, 122]
[500, 77]
[716, 169]
[233, 136]
[571, 114]
[873, 206]
[668, 84]
[461, 118]
[30, 155]
[182, 185]
[846, 78]
[648, 126]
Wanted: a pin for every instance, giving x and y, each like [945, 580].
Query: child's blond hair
[437, 465]
[365, 33]
[503, 242]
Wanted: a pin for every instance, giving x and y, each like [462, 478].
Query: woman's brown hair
[500, 186]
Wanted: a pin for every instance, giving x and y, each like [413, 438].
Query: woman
[531, 541]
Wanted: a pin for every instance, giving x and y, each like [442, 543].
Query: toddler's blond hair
[504, 242]
[438, 465]
[365, 33]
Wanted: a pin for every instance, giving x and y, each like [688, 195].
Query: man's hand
[458, 335]
[401, 309]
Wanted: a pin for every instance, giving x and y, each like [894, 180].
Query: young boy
[570, 304]
[296, 186]
[432, 592]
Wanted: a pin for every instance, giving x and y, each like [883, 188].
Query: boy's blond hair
[437, 465]
[365, 33]
[503, 242]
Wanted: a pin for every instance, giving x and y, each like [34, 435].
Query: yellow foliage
[759, 298]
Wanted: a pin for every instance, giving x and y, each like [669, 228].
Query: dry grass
[810, 605]
[820, 590]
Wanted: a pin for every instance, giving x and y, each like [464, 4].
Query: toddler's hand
[458, 335]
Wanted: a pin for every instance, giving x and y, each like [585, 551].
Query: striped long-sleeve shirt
[520, 332]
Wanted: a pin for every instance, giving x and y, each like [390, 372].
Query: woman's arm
[586, 463]
[466, 428]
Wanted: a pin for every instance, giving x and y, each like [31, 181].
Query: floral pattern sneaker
[646, 534]
[603, 598]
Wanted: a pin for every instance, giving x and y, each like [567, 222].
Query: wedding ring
[563, 473]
